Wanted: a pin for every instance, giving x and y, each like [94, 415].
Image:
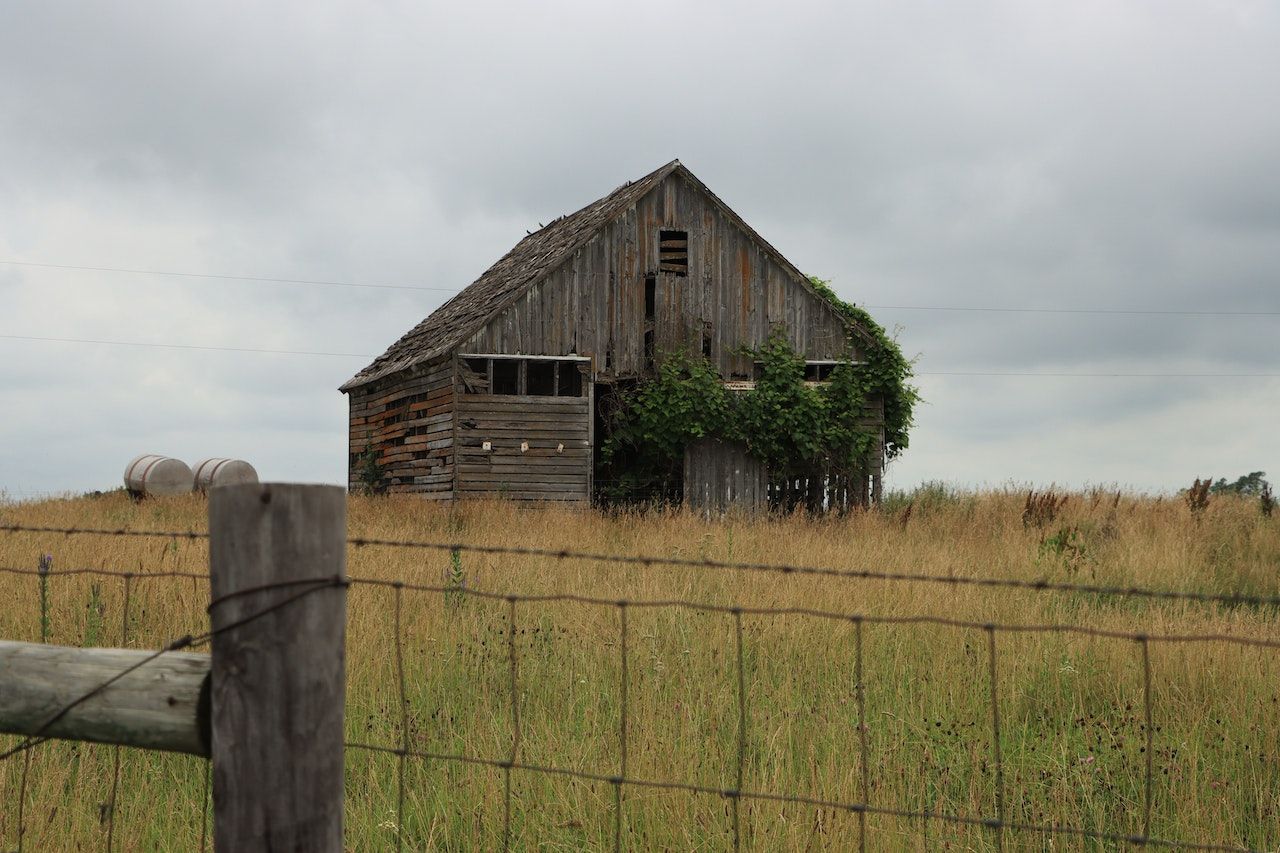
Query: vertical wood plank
[279, 680]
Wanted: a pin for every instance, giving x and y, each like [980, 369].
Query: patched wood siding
[407, 418]
[594, 304]
[720, 475]
[555, 463]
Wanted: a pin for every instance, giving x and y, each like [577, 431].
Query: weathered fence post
[277, 560]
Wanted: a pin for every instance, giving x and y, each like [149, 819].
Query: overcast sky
[1105, 156]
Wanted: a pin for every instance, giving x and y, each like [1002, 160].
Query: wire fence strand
[948, 579]
[403, 750]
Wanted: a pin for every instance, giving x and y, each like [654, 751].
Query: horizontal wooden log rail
[163, 704]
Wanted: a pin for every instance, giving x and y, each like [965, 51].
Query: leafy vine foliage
[796, 429]
[887, 371]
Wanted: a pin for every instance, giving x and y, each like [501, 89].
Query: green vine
[887, 371]
[796, 429]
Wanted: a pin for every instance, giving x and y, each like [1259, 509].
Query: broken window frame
[472, 361]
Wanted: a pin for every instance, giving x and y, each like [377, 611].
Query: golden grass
[1073, 735]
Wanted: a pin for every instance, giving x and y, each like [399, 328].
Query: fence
[269, 673]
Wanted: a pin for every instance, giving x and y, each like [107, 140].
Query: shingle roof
[534, 257]
[531, 259]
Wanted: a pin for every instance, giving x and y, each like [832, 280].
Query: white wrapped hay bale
[155, 474]
[218, 471]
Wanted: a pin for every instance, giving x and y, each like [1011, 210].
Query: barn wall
[594, 305]
[720, 475]
[555, 462]
[408, 420]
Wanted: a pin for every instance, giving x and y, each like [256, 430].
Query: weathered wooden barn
[499, 391]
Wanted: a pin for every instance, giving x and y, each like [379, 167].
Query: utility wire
[977, 373]
[1118, 311]
[1051, 374]
[233, 277]
[182, 346]
[974, 309]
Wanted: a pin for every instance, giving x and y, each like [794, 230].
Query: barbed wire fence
[999, 825]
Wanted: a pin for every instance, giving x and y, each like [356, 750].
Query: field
[1072, 708]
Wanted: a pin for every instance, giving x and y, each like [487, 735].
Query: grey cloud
[1007, 154]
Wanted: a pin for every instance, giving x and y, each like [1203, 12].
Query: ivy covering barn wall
[798, 430]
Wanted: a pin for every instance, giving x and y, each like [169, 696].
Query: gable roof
[530, 260]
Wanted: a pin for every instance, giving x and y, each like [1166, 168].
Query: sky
[1079, 159]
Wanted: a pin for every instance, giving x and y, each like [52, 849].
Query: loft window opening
[569, 380]
[540, 378]
[537, 376]
[506, 376]
[817, 370]
[650, 297]
[673, 251]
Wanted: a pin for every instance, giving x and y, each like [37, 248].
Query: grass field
[1072, 713]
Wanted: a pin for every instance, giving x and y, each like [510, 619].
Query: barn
[500, 391]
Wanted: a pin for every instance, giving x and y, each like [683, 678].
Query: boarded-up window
[673, 251]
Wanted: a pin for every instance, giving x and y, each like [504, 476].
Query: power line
[1117, 311]
[234, 277]
[182, 346]
[256, 350]
[952, 308]
[1099, 375]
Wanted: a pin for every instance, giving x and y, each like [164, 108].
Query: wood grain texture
[721, 475]
[156, 706]
[279, 680]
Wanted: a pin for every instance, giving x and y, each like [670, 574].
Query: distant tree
[1250, 485]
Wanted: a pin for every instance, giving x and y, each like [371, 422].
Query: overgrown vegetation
[887, 371]
[1072, 723]
[371, 474]
[798, 430]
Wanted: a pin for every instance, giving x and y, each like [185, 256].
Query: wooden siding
[429, 433]
[594, 304]
[555, 463]
[721, 475]
[407, 419]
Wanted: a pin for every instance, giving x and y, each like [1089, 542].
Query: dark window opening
[514, 375]
[569, 379]
[541, 378]
[506, 376]
[650, 297]
[708, 336]
[648, 350]
[673, 251]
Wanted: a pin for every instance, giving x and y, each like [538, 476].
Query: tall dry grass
[1073, 736]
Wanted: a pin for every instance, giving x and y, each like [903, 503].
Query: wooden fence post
[278, 680]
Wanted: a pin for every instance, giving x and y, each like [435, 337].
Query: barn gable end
[475, 399]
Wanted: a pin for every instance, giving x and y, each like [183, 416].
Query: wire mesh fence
[992, 666]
